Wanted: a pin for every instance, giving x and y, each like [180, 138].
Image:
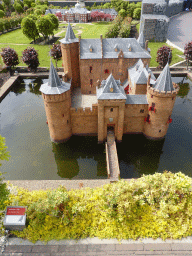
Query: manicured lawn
[15, 37]
[154, 46]
[88, 31]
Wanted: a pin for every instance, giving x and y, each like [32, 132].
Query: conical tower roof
[69, 36]
[54, 80]
[110, 89]
[164, 81]
[54, 85]
[141, 40]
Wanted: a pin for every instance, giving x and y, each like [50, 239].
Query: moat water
[35, 157]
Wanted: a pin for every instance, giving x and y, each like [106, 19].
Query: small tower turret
[70, 57]
[57, 101]
[161, 97]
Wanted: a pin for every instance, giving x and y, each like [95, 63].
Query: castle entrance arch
[111, 127]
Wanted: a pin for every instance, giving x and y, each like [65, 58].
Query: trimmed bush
[162, 56]
[188, 52]
[10, 57]
[30, 57]
[1, 25]
[7, 24]
[56, 52]
[29, 28]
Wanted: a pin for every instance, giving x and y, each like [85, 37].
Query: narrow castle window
[159, 130]
[142, 111]
[91, 82]
[90, 69]
[63, 115]
[106, 71]
[111, 109]
[151, 96]
[67, 121]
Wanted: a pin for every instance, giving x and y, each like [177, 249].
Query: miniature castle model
[107, 85]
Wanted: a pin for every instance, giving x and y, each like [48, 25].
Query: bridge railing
[107, 160]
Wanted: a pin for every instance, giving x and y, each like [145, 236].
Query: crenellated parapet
[84, 111]
[157, 93]
[57, 97]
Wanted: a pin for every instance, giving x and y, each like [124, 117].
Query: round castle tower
[161, 98]
[70, 57]
[57, 101]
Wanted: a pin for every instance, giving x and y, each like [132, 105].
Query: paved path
[180, 29]
[97, 247]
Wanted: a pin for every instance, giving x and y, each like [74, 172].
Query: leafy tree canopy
[29, 28]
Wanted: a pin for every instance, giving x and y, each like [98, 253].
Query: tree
[28, 2]
[122, 13]
[137, 13]
[163, 56]
[29, 28]
[56, 52]
[30, 57]
[188, 52]
[10, 57]
[2, 14]
[54, 20]
[18, 8]
[44, 26]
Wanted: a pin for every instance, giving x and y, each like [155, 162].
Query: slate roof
[78, 9]
[85, 50]
[69, 36]
[108, 48]
[141, 40]
[136, 99]
[54, 85]
[109, 84]
[107, 11]
[164, 81]
[53, 11]
[139, 74]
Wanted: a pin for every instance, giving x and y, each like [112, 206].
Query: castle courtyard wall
[84, 121]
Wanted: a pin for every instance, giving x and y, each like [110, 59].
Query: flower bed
[158, 205]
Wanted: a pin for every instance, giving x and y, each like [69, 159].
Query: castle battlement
[56, 97]
[158, 93]
[84, 111]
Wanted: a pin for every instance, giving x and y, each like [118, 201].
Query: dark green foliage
[28, 2]
[138, 5]
[13, 14]
[7, 24]
[54, 20]
[10, 57]
[162, 56]
[122, 13]
[4, 192]
[2, 14]
[38, 12]
[119, 28]
[18, 8]
[1, 25]
[29, 11]
[1, 7]
[44, 26]
[137, 13]
[125, 29]
[30, 57]
[56, 52]
[29, 28]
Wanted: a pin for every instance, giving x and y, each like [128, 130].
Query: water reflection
[80, 157]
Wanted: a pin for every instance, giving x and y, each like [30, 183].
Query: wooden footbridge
[113, 170]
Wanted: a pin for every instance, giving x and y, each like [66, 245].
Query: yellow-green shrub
[158, 205]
